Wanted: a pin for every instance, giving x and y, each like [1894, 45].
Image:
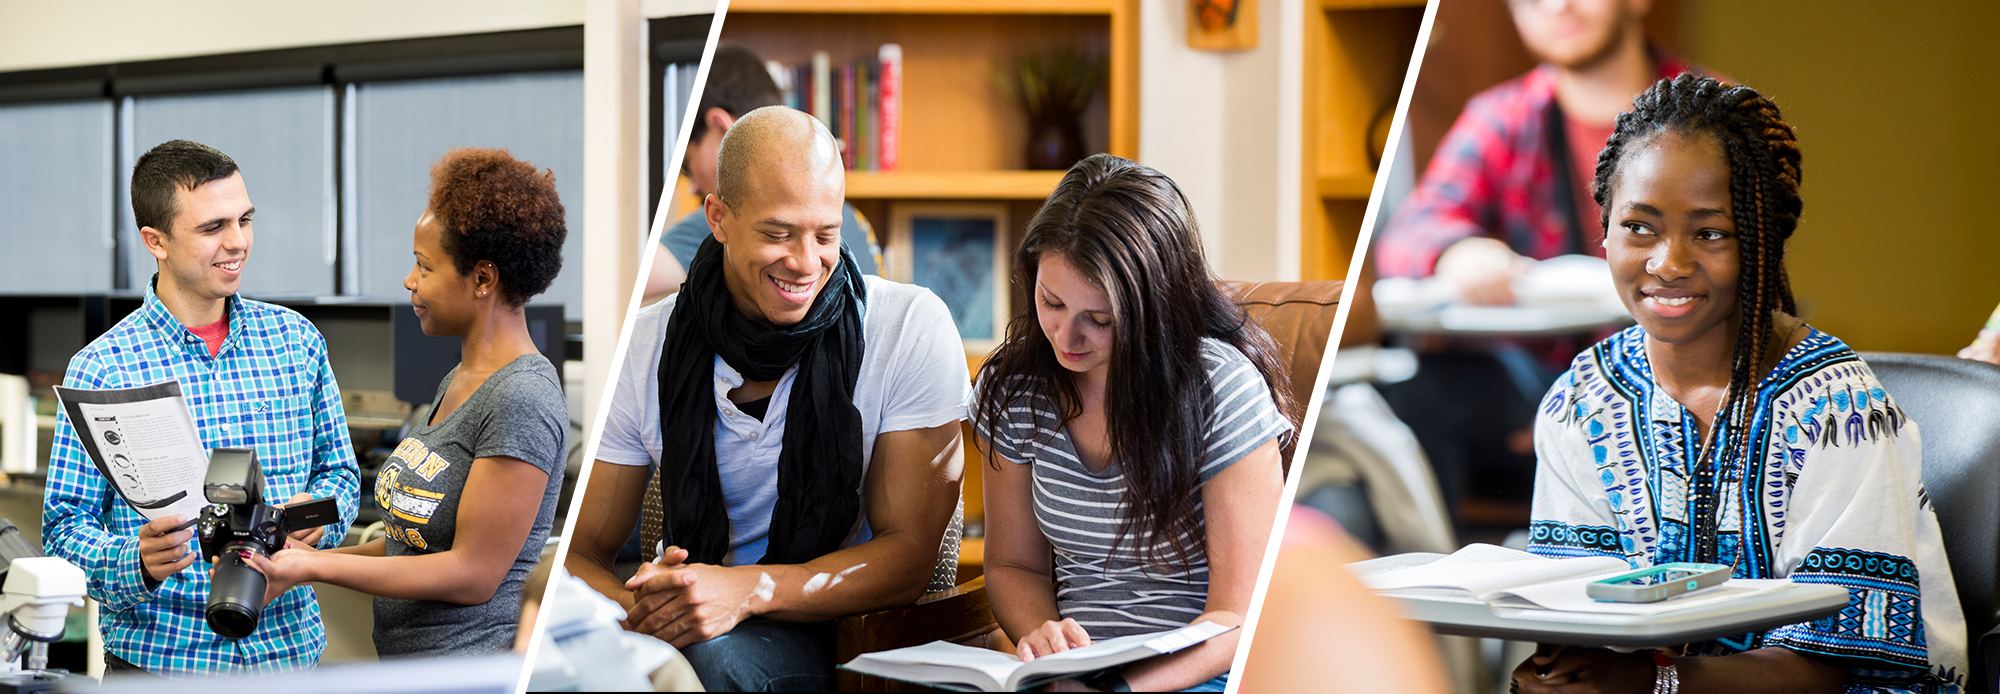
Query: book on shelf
[947, 665]
[861, 102]
[787, 81]
[889, 134]
[869, 139]
[847, 129]
[1503, 577]
[822, 89]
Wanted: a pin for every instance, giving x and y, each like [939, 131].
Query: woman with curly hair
[469, 496]
[1722, 429]
[1132, 423]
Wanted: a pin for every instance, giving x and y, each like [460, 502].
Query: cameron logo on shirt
[419, 459]
[408, 501]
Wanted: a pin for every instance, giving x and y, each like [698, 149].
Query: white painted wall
[60, 33]
[37, 34]
[614, 109]
[43, 34]
[1214, 121]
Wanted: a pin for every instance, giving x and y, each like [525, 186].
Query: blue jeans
[762, 655]
[1220, 683]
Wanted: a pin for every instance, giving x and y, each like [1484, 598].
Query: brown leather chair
[1299, 316]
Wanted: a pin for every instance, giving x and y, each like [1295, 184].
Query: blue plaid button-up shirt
[268, 388]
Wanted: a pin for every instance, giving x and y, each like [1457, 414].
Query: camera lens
[236, 596]
[233, 620]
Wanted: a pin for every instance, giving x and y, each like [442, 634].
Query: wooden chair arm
[959, 615]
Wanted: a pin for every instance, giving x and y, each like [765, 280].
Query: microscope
[35, 597]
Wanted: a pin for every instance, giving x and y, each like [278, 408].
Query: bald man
[737, 84]
[798, 421]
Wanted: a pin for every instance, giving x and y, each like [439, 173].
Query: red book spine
[890, 118]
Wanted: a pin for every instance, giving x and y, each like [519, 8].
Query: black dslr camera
[239, 521]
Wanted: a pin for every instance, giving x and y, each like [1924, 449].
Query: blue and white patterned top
[268, 388]
[1832, 493]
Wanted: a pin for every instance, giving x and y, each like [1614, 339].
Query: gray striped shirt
[1113, 592]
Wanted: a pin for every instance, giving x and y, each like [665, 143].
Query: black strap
[1556, 129]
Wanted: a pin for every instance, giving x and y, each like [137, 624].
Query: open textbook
[951, 666]
[144, 442]
[1512, 578]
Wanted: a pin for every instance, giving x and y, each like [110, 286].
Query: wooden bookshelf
[1356, 54]
[951, 185]
[1346, 187]
[962, 138]
[919, 185]
[1331, 5]
[988, 7]
[954, 117]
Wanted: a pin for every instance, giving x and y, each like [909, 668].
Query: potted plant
[1053, 88]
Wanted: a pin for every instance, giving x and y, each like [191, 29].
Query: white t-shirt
[912, 377]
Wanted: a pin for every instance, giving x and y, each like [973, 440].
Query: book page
[917, 663]
[941, 662]
[1485, 571]
[1113, 652]
[144, 442]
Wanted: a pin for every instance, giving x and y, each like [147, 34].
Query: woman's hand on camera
[1052, 637]
[283, 571]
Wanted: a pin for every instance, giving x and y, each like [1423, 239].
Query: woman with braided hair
[1723, 429]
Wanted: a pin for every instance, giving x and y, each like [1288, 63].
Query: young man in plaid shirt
[254, 376]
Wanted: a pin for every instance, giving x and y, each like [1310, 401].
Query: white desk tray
[1466, 616]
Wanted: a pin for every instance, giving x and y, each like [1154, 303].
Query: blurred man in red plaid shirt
[1512, 178]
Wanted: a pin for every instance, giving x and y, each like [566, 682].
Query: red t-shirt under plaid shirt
[212, 334]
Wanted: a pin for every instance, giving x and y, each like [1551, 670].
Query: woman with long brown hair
[1132, 422]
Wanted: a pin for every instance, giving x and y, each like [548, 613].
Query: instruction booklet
[144, 442]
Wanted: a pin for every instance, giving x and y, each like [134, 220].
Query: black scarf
[819, 466]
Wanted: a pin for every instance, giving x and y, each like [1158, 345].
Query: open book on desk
[951, 666]
[1502, 577]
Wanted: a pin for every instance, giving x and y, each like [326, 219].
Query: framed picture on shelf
[958, 251]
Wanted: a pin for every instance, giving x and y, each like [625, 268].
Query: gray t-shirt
[684, 238]
[1118, 593]
[519, 412]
